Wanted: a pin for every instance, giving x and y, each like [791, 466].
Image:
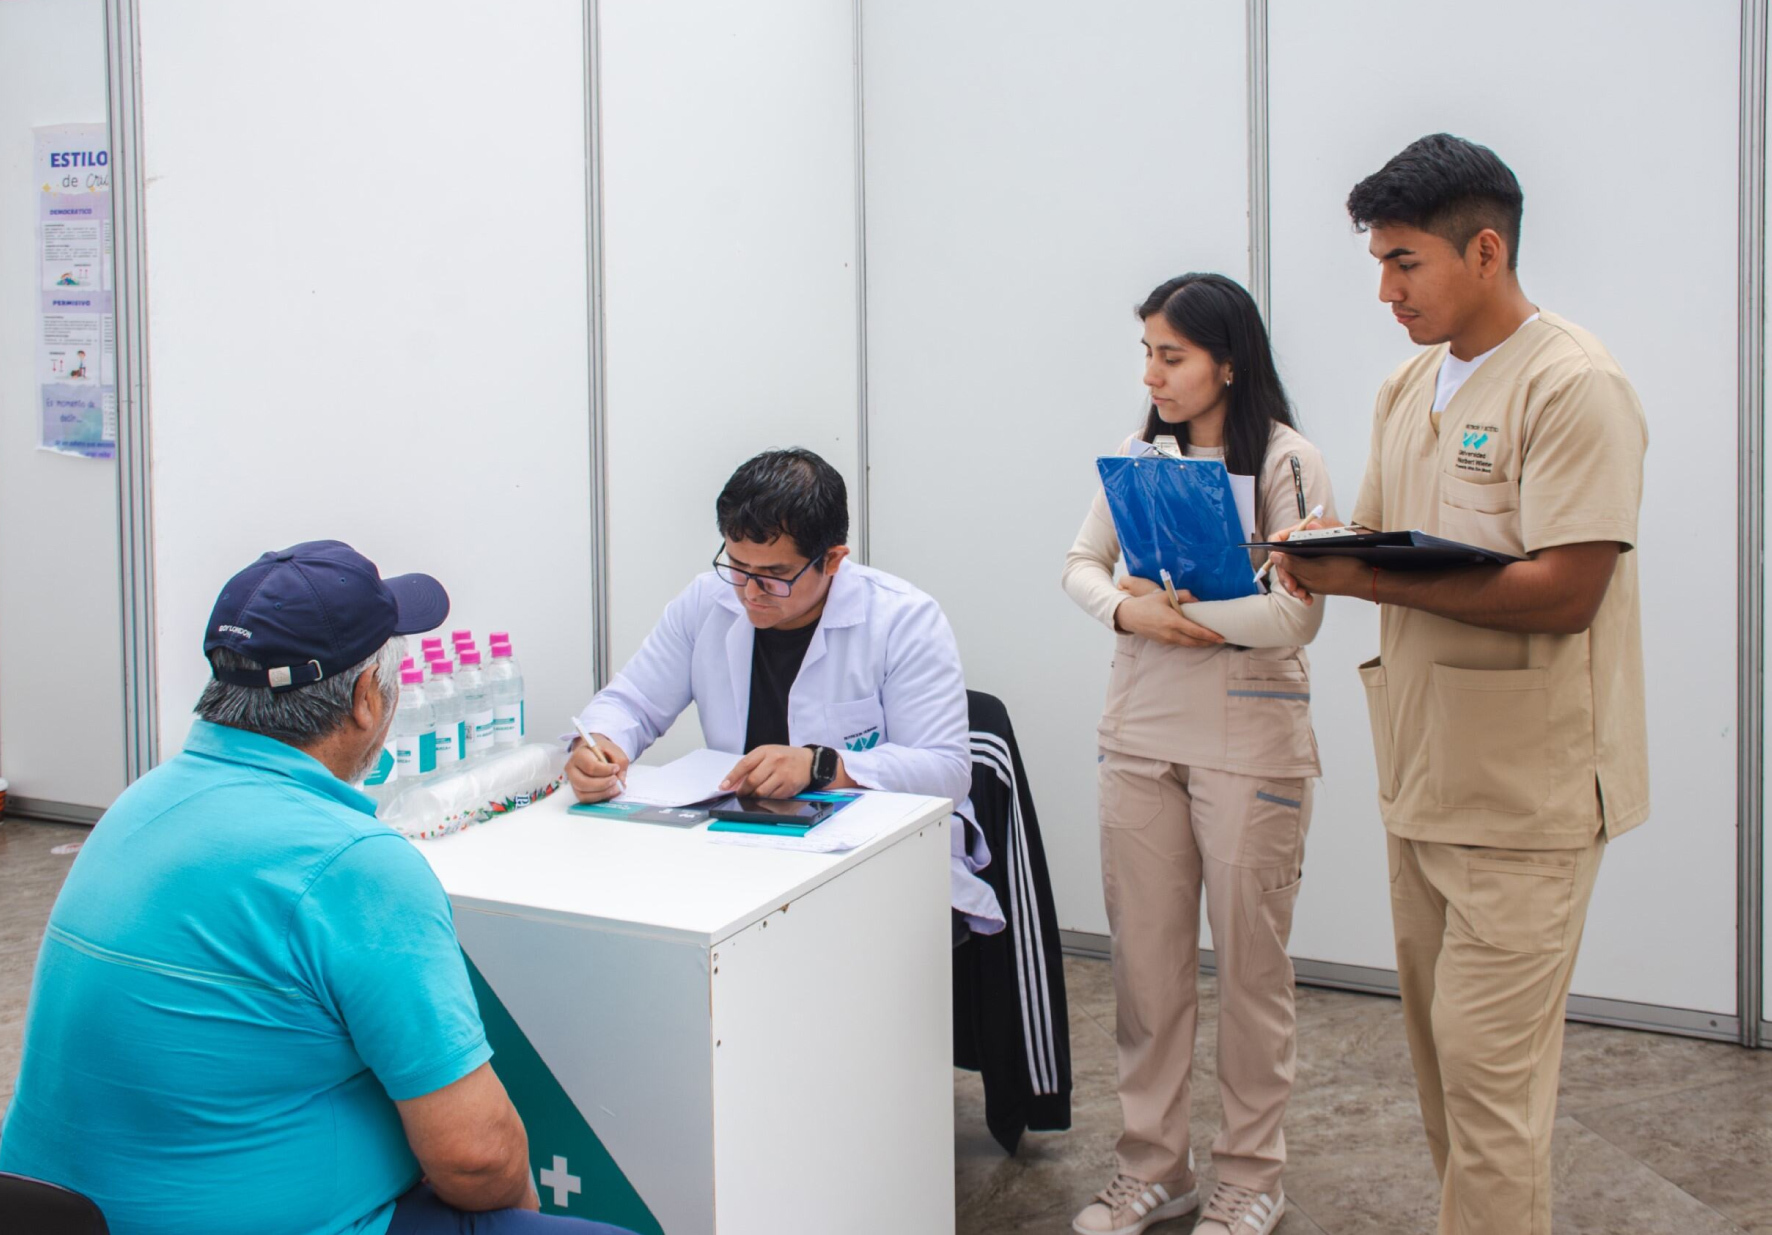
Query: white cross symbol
[564, 1185]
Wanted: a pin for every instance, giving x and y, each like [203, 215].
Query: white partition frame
[797, 140]
[1028, 182]
[1577, 139]
[410, 332]
[61, 740]
[730, 262]
[1756, 214]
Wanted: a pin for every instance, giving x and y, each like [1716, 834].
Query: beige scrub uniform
[1505, 761]
[1206, 760]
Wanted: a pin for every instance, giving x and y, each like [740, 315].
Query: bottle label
[448, 747]
[386, 765]
[522, 719]
[482, 727]
[507, 723]
[414, 754]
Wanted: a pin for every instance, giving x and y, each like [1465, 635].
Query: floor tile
[1714, 1142]
[1608, 1067]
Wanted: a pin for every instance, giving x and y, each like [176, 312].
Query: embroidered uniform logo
[1476, 450]
[862, 741]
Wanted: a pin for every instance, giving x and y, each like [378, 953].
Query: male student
[822, 673]
[1507, 703]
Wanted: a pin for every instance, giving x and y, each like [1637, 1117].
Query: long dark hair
[1215, 313]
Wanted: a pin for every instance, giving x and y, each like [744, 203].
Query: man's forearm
[1521, 597]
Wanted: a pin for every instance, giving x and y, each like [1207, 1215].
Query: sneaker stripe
[1161, 1192]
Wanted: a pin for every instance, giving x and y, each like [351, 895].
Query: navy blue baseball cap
[313, 610]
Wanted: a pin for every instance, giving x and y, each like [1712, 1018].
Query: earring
[1227, 381]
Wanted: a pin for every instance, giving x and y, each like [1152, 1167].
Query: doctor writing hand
[596, 772]
[771, 772]
[1149, 613]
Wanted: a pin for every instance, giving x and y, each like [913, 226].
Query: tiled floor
[1656, 1135]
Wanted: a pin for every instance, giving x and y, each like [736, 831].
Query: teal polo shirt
[241, 975]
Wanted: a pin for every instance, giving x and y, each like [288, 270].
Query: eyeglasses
[771, 585]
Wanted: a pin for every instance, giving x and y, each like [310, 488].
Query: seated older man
[250, 1012]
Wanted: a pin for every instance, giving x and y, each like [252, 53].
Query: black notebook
[1391, 550]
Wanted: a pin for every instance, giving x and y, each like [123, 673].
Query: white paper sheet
[694, 778]
[1243, 490]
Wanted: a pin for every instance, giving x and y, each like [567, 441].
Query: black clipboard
[1393, 550]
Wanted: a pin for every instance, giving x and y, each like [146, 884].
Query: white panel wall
[1620, 121]
[1031, 175]
[367, 256]
[730, 250]
[61, 696]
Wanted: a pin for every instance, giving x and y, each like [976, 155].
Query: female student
[1205, 767]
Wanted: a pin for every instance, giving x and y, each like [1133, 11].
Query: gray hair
[304, 715]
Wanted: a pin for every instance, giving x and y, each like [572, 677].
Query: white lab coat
[881, 683]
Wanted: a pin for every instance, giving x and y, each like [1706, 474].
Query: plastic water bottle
[476, 702]
[452, 729]
[414, 731]
[429, 650]
[506, 678]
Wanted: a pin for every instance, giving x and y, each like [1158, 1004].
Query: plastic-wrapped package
[481, 790]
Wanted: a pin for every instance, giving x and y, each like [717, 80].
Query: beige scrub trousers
[1506, 762]
[1206, 762]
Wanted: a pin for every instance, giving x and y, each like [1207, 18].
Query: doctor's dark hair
[792, 493]
[1218, 315]
[1444, 185]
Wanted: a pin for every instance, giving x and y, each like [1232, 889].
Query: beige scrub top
[1484, 737]
[1243, 706]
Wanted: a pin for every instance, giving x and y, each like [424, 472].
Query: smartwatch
[824, 766]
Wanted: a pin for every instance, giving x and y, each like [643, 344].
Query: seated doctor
[826, 674]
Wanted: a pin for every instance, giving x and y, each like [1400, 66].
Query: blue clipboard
[1179, 515]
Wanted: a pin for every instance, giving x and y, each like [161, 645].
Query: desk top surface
[649, 878]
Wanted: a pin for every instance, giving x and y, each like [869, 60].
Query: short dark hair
[792, 493]
[1445, 185]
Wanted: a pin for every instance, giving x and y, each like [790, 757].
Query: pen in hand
[620, 783]
[1315, 513]
[1169, 587]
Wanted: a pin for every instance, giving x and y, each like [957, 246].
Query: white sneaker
[1238, 1211]
[1127, 1206]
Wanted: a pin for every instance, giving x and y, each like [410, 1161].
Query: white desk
[704, 1038]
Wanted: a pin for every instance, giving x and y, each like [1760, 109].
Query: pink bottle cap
[406, 664]
[461, 636]
[412, 677]
[500, 636]
[442, 666]
[432, 641]
[501, 651]
[436, 654]
[469, 657]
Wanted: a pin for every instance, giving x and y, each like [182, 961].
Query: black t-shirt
[775, 663]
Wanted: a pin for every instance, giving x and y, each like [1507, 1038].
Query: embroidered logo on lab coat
[862, 741]
[1476, 449]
